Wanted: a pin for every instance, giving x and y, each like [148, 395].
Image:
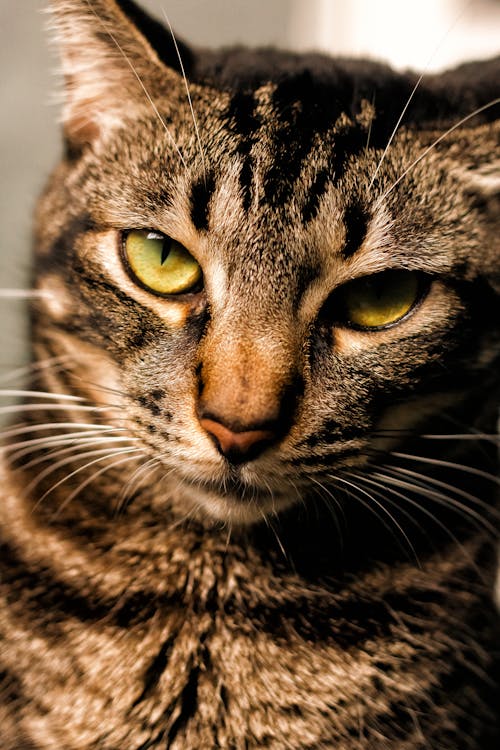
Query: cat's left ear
[482, 184]
[480, 178]
[114, 57]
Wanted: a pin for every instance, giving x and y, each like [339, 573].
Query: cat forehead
[258, 188]
[274, 165]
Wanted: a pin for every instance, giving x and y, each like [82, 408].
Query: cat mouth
[233, 500]
[233, 488]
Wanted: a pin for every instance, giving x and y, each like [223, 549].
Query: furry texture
[335, 588]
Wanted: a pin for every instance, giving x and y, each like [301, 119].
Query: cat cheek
[55, 300]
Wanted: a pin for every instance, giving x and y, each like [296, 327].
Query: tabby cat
[249, 499]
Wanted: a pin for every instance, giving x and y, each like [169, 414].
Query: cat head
[239, 248]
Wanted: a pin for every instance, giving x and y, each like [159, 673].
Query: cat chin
[231, 507]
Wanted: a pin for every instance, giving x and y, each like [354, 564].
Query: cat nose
[241, 446]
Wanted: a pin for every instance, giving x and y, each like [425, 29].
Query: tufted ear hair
[480, 177]
[110, 60]
[482, 183]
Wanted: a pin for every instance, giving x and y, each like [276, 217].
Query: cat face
[262, 288]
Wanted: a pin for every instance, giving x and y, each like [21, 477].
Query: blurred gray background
[428, 34]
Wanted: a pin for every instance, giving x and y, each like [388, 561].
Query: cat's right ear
[109, 63]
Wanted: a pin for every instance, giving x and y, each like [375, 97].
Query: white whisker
[72, 445]
[24, 294]
[195, 123]
[435, 143]
[129, 487]
[373, 484]
[419, 507]
[49, 407]
[91, 479]
[444, 485]
[457, 436]
[413, 92]
[446, 501]
[381, 507]
[332, 508]
[97, 386]
[64, 462]
[270, 526]
[107, 454]
[39, 394]
[140, 82]
[448, 464]
[82, 426]
[34, 368]
[52, 440]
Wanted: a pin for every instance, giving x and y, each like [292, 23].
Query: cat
[249, 499]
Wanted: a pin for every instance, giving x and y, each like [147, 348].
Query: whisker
[468, 436]
[444, 485]
[422, 509]
[40, 394]
[372, 484]
[413, 92]
[91, 479]
[382, 508]
[108, 454]
[49, 407]
[97, 386]
[446, 501]
[448, 464]
[140, 82]
[195, 123]
[396, 127]
[270, 526]
[332, 508]
[26, 429]
[73, 444]
[129, 487]
[64, 462]
[444, 135]
[25, 294]
[49, 441]
[35, 367]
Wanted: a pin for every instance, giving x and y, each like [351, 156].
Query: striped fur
[335, 590]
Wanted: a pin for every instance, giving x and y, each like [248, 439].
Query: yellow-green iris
[382, 299]
[160, 263]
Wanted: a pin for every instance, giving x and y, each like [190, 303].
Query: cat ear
[482, 185]
[109, 62]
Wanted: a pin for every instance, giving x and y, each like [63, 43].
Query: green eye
[160, 264]
[378, 301]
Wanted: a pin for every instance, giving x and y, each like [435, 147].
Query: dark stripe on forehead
[304, 113]
[356, 225]
[201, 193]
[246, 177]
[244, 123]
[316, 191]
[241, 113]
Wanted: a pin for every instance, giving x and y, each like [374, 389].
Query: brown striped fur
[334, 589]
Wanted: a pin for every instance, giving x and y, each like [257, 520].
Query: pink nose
[237, 447]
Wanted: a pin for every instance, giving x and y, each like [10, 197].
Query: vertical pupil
[165, 250]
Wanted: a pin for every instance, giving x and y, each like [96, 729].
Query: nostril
[237, 447]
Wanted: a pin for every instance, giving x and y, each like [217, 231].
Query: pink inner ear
[80, 125]
[80, 112]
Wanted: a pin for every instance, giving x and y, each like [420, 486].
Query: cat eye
[160, 264]
[379, 301]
